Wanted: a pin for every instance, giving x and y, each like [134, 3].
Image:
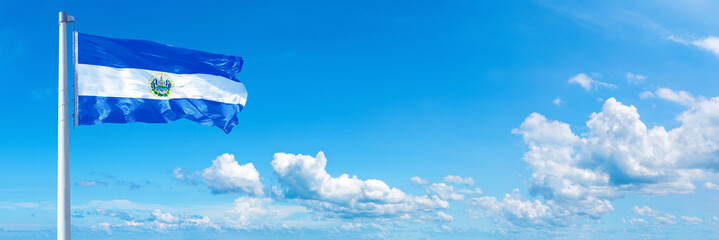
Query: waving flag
[123, 81]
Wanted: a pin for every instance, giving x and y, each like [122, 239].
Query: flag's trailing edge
[123, 81]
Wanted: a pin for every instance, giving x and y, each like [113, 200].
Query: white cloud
[680, 97]
[660, 216]
[617, 155]
[635, 78]
[179, 174]
[256, 213]
[439, 216]
[158, 220]
[446, 228]
[167, 217]
[588, 83]
[103, 226]
[418, 180]
[583, 80]
[444, 217]
[646, 94]
[557, 101]
[459, 180]
[692, 220]
[635, 221]
[711, 185]
[445, 192]
[133, 223]
[669, 219]
[448, 192]
[246, 209]
[306, 179]
[632, 156]
[227, 176]
[91, 183]
[190, 178]
[350, 226]
[714, 221]
[710, 44]
[643, 211]
[677, 40]
[515, 211]
[203, 223]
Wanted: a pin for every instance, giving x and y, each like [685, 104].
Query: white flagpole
[63, 165]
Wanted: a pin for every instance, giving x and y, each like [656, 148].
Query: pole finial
[63, 17]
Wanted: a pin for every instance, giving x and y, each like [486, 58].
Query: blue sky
[452, 120]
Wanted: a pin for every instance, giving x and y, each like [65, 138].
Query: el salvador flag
[123, 81]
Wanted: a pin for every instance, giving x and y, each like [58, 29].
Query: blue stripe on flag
[95, 110]
[127, 53]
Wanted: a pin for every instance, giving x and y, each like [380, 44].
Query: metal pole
[63, 165]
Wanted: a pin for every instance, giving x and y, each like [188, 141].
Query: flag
[124, 81]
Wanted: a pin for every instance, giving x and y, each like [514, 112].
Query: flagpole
[63, 165]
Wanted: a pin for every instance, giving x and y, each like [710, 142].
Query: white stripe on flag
[105, 81]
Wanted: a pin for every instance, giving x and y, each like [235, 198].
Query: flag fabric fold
[124, 81]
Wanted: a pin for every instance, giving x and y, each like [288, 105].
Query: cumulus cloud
[711, 185]
[227, 176]
[579, 175]
[418, 180]
[166, 217]
[557, 101]
[635, 221]
[103, 226]
[660, 216]
[133, 223]
[635, 78]
[588, 83]
[350, 226]
[445, 191]
[438, 217]
[458, 180]
[692, 220]
[180, 222]
[158, 221]
[305, 178]
[444, 228]
[448, 192]
[619, 152]
[515, 211]
[245, 213]
[245, 209]
[179, 173]
[710, 44]
[444, 217]
[187, 177]
[680, 97]
[259, 212]
[714, 221]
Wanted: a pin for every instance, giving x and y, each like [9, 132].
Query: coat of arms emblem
[160, 85]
